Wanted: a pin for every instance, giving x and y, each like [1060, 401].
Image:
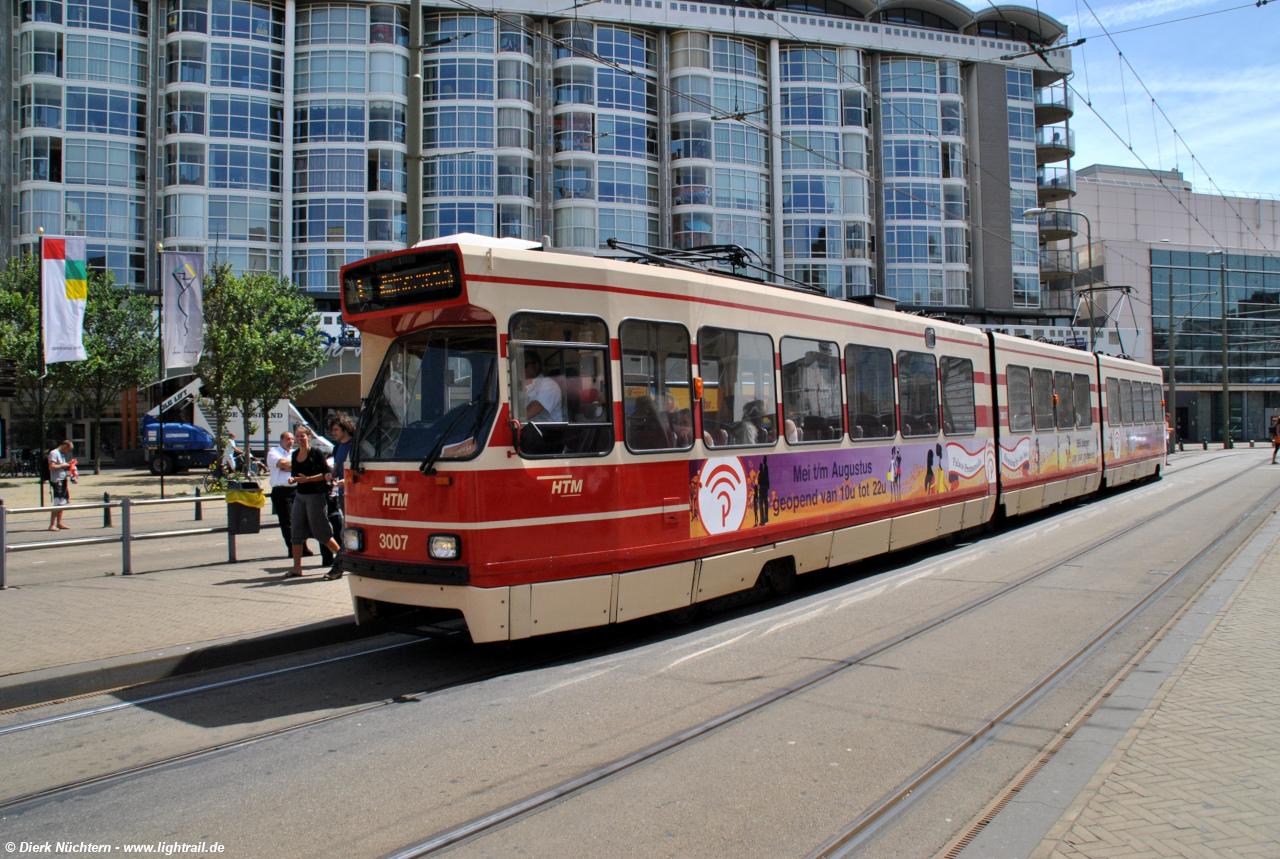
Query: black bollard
[199, 512]
[1206, 443]
[106, 511]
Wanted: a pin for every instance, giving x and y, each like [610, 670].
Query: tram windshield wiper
[480, 407]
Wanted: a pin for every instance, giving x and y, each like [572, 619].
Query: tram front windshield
[434, 397]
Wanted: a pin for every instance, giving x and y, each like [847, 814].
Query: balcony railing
[1054, 143]
[1057, 265]
[1055, 183]
[1056, 226]
[1054, 104]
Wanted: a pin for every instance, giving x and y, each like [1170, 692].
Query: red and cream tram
[553, 442]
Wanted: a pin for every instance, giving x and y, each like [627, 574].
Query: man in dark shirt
[342, 428]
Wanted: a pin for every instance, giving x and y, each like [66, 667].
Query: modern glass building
[859, 147]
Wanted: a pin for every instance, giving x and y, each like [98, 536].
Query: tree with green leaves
[121, 341]
[261, 341]
[20, 339]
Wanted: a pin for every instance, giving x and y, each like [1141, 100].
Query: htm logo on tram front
[393, 498]
[563, 485]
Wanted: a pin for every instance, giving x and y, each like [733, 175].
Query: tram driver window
[1113, 402]
[739, 406]
[1042, 399]
[560, 384]
[1084, 405]
[655, 385]
[1018, 387]
[811, 404]
[872, 408]
[918, 393]
[958, 413]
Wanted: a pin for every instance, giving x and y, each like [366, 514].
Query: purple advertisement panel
[736, 492]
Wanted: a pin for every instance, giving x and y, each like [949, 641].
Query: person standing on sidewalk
[343, 430]
[279, 464]
[323, 445]
[310, 472]
[59, 471]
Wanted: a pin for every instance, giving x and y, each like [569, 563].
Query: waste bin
[244, 506]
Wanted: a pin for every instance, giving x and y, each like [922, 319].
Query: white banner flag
[183, 308]
[64, 284]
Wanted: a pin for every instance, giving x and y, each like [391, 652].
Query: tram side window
[655, 385]
[1084, 408]
[1042, 399]
[1126, 402]
[1149, 402]
[959, 416]
[560, 384]
[1018, 387]
[739, 405]
[1113, 402]
[811, 404]
[918, 393]
[1064, 400]
[872, 407]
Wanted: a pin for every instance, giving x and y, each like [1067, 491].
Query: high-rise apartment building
[858, 147]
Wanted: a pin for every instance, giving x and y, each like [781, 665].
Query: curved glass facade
[831, 146]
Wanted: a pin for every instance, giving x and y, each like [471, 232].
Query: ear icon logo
[722, 496]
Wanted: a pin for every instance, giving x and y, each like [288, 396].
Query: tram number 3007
[395, 542]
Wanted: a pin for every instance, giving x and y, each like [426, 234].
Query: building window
[40, 159]
[739, 57]
[633, 48]
[461, 127]
[515, 128]
[184, 164]
[329, 71]
[628, 225]
[691, 139]
[41, 106]
[459, 176]
[901, 74]
[334, 121]
[252, 168]
[386, 171]
[911, 158]
[515, 80]
[811, 195]
[574, 85]
[918, 116]
[810, 106]
[912, 244]
[445, 219]
[245, 19]
[912, 201]
[239, 218]
[252, 67]
[328, 220]
[627, 137]
[515, 176]
[184, 113]
[742, 189]
[811, 239]
[105, 162]
[118, 16]
[40, 11]
[386, 121]
[388, 221]
[186, 62]
[332, 25]
[184, 216]
[621, 91]
[388, 25]
[104, 111]
[449, 79]
[738, 144]
[40, 210]
[41, 52]
[245, 117]
[328, 171]
[629, 183]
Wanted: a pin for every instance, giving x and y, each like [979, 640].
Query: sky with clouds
[1215, 77]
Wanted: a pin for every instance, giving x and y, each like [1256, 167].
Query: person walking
[59, 473]
[343, 430]
[310, 473]
[1275, 438]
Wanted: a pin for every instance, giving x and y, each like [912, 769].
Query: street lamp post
[1172, 406]
[1088, 226]
[1226, 386]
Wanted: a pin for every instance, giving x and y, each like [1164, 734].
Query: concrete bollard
[106, 511]
[4, 546]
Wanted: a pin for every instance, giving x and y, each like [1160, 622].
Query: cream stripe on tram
[517, 523]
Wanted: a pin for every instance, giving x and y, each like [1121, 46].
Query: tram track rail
[543, 799]
[476, 828]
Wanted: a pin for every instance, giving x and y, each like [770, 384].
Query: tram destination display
[401, 280]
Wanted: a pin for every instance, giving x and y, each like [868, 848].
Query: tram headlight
[444, 547]
[353, 539]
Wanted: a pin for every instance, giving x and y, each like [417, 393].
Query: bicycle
[215, 479]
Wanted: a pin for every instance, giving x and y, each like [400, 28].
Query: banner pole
[44, 370]
[160, 359]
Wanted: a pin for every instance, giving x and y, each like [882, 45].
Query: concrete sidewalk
[1183, 758]
[71, 637]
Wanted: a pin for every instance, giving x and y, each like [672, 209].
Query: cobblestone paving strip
[1198, 775]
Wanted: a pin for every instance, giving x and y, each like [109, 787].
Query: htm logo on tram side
[393, 498]
[563, 485]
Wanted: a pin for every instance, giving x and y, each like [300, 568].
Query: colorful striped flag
[64, 282]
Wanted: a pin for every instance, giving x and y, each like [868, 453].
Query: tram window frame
[823, 421]
[586, 429]
[918, 389]
[655, 378]
[961, 415]
[1148, 403]
[869, 407]
[1113, 401]
[1042, 389]
[1064, 403]
[1126, 402]
[745, 422]
[1084, 411]
[1019, 405]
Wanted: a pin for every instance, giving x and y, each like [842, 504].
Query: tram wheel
[781, 575]
[681, 616]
